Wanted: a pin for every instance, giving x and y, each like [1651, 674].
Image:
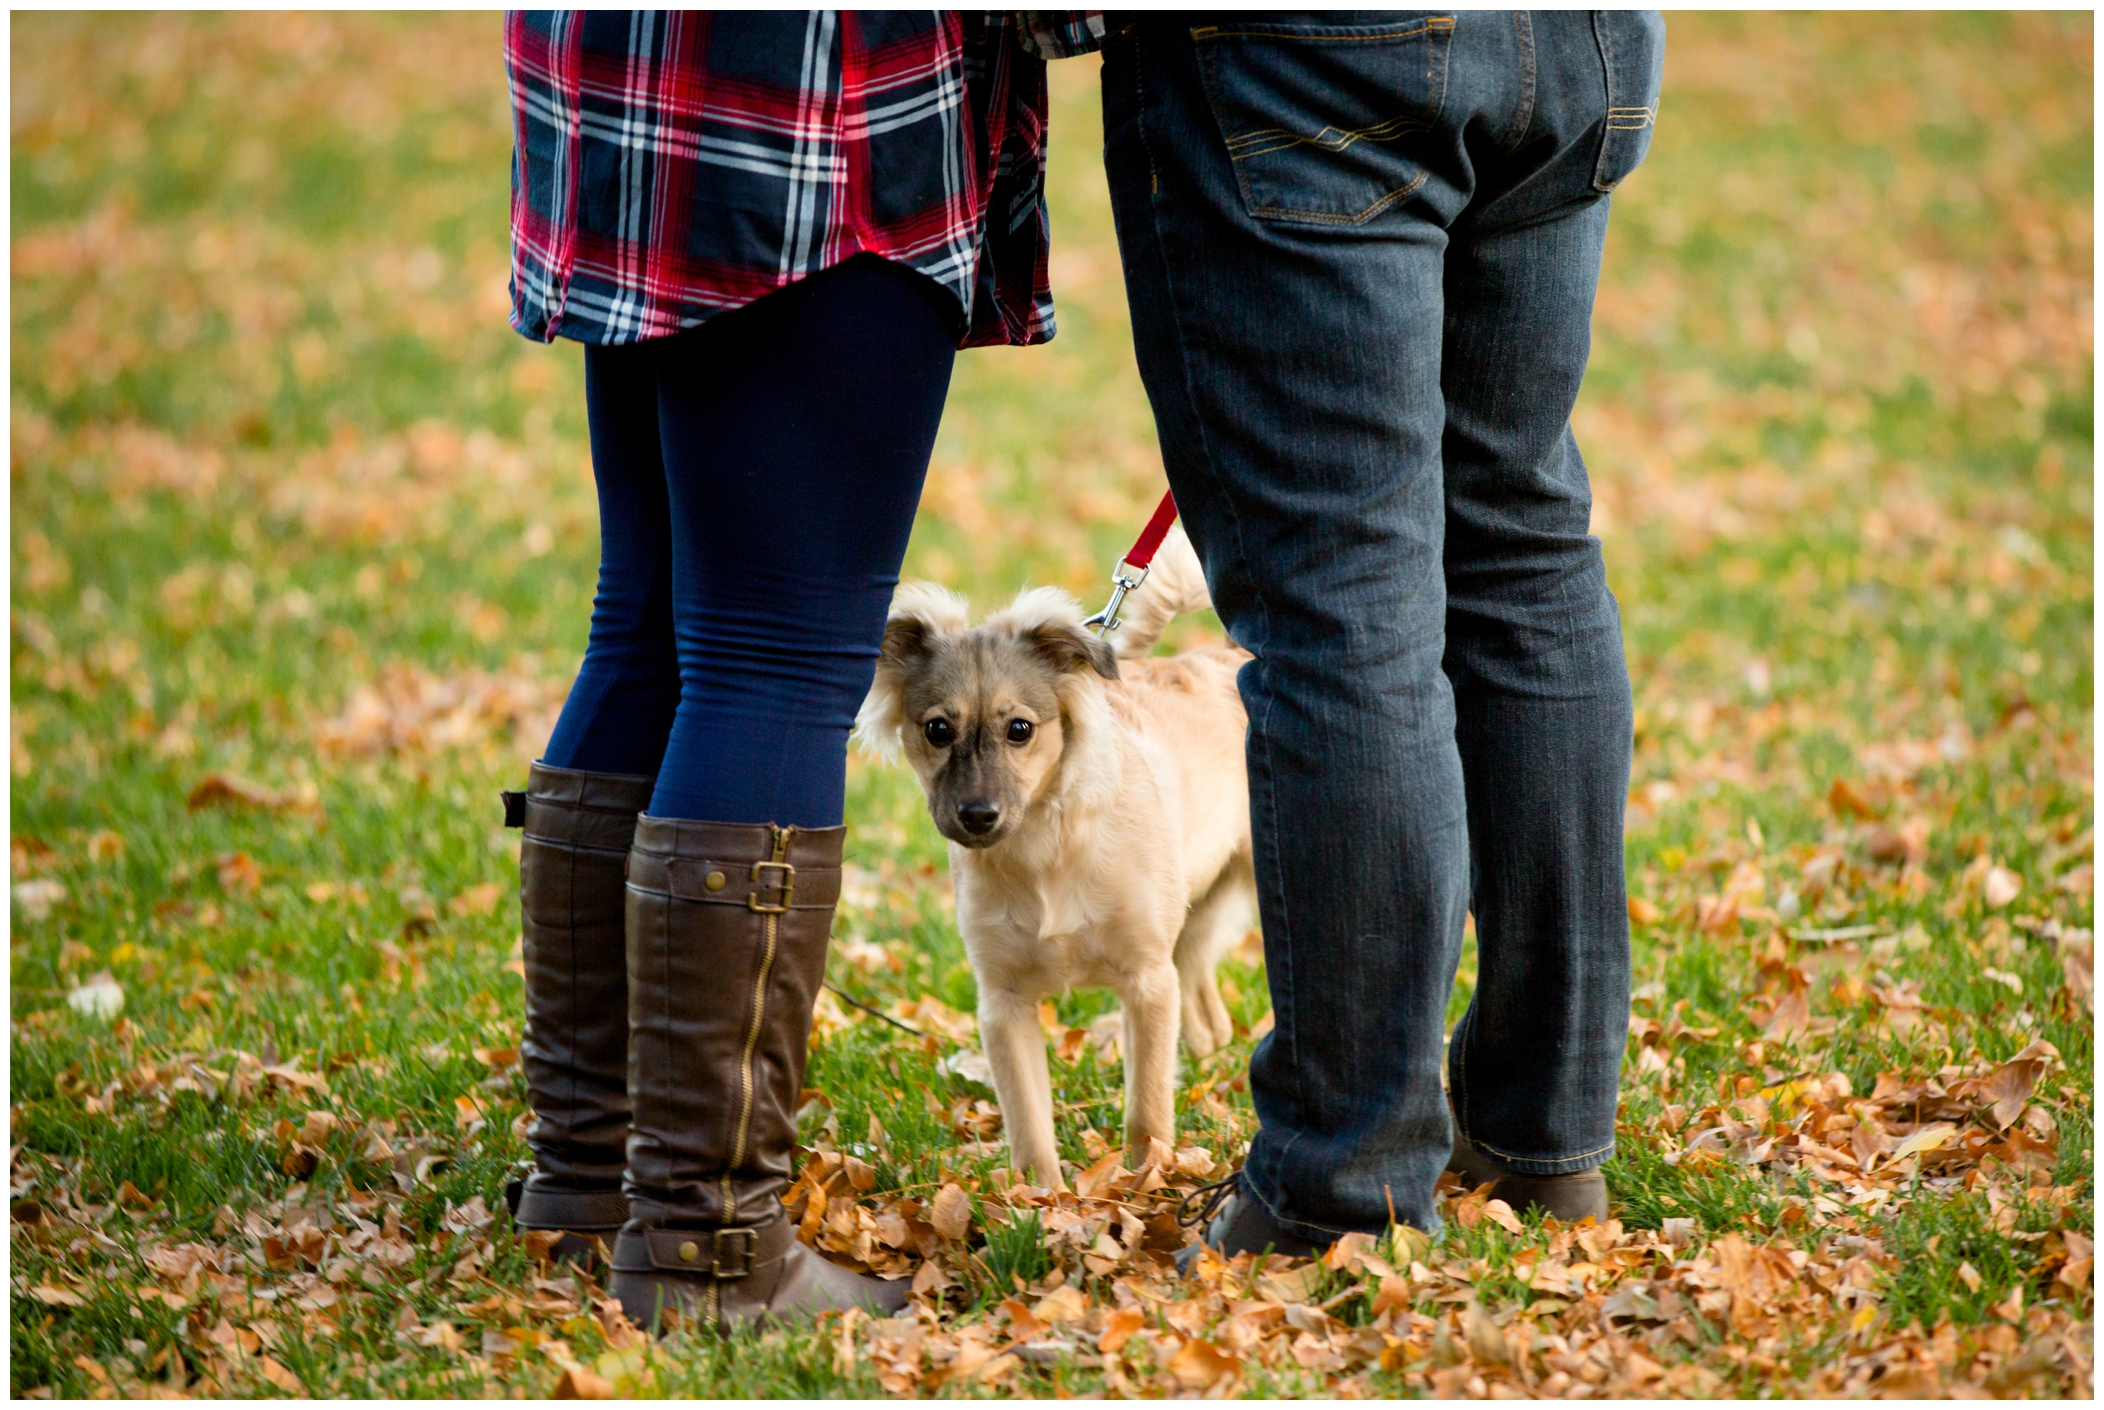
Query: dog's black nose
[978, 818]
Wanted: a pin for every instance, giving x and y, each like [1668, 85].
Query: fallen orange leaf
[1199, 1365]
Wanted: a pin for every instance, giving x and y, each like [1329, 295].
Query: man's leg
[1293, 366]
[1285, 191]
[1534, 642]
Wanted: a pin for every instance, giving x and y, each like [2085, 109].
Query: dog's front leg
[1015, 1049]
[1150, 1012]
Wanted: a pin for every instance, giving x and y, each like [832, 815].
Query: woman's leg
[619, 711]
[579, 814]
[796, 433]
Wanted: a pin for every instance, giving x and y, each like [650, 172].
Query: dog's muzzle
[978, 819]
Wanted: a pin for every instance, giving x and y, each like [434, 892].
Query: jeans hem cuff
[1566, 1165]
[1299, 1228]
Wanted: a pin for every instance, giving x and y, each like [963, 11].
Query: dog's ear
[908, 642]
[921, 613]
[1071, 648]
[1049, 622]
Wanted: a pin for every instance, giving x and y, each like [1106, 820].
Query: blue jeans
[757, 480]
[1361, 252]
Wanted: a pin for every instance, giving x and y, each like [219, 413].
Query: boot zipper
[752, 1040]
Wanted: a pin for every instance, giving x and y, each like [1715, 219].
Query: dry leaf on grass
[1200, 1365]
[952, 1212]
[224, 789]
[2000, 887]
[476, 900]
[1118, 1329]
[1500, 1213]
[1065, 1304]
[577, 1383]
[411, 711]
[275, 1372]
[2010, 1085]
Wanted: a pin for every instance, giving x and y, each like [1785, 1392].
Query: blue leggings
[757, 482]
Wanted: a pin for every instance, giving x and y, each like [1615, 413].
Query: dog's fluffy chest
[1062, 911]
[1058, 930]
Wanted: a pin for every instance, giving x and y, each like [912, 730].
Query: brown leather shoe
[1475, 1168]
[727, 930]
[572, 905]
[1233, 1221]
[1566, 1197]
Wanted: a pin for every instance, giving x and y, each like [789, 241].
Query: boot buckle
[787, 882]
[743, 1244]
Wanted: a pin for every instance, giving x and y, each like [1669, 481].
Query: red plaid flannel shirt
[671, 165]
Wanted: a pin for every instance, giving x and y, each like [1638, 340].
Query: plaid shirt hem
[1060, 34]
[672, 165]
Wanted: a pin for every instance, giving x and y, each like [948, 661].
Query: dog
[1097, 809]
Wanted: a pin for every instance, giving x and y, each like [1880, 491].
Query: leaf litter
[1852, 1009]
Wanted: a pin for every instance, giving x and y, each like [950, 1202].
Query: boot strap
[543, 1207]
[768, 888]
[571, 808]
[722, 1254]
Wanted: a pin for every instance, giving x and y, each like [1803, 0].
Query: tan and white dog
[1097, 810]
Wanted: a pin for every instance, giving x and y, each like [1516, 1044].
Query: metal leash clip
[1132, 568]
[1108, 620]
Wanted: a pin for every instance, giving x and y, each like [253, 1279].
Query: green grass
[272, 444]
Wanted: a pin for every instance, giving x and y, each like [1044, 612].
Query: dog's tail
[1175, 585]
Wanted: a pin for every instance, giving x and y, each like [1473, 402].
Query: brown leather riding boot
[572, 907]
[727, 930]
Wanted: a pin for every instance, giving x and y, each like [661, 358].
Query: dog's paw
[1198, 1034]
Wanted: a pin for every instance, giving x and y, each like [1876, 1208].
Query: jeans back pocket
[1633, 51]
[1314, 115]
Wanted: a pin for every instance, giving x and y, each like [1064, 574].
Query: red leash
[1132, 568]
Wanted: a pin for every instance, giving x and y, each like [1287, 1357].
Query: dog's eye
[939, 733]
[1019, 731]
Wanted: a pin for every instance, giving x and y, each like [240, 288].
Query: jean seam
[1226, 502]
[1523, 116]
[1519, 1160]
[1383, 36]
[1607, 74]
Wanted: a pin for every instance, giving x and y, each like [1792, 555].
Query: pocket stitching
[1369, 134]
[1304, 36]
[1358, 218]
[1433, 28]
